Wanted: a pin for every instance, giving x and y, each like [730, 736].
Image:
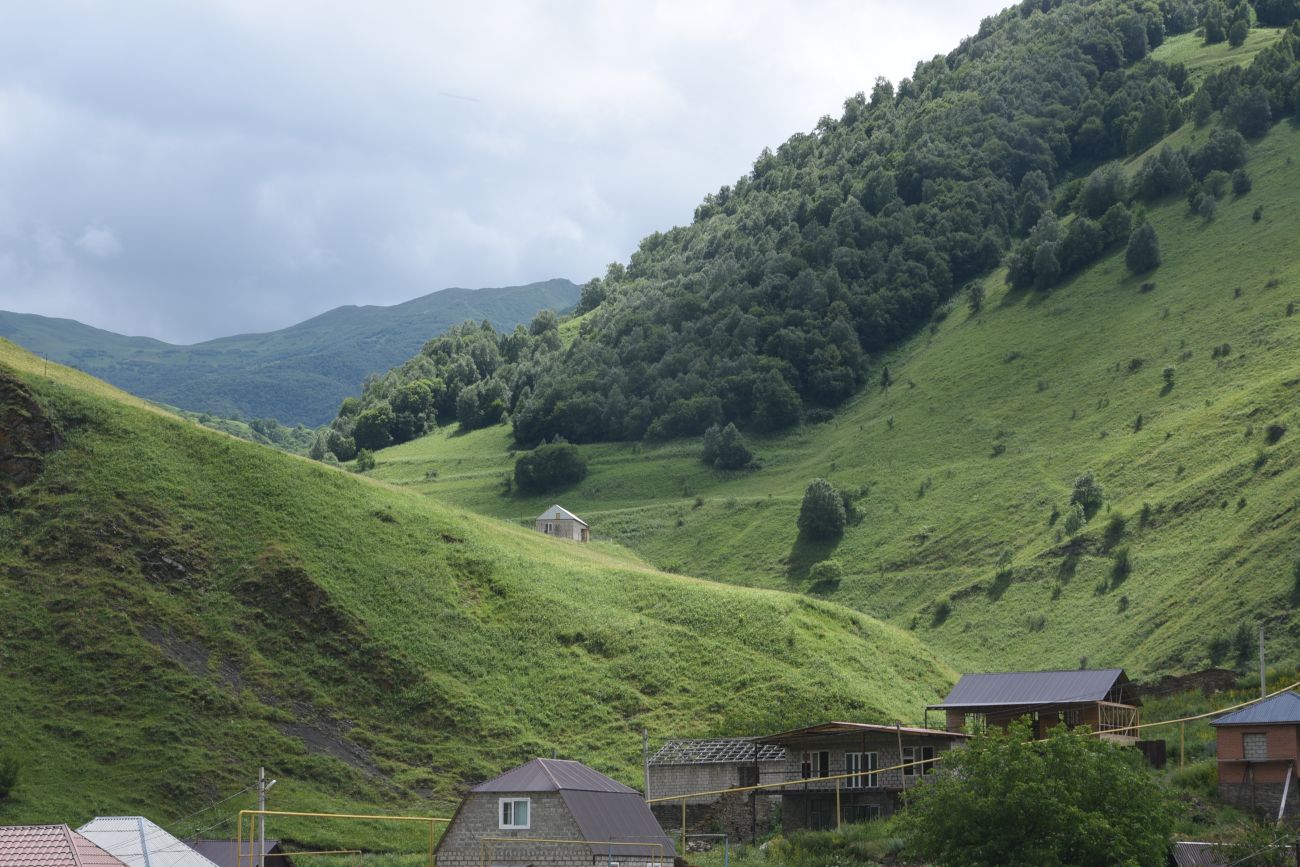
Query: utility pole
[645, 762]
[1263, 688]
[261, 819]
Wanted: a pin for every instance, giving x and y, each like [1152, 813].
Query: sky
[191, 170]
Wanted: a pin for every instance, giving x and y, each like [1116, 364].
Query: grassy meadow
[990, 419]
[179, 607]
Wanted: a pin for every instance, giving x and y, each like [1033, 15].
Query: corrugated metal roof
[618, 817]
[553, 775]
[140, 843]
[715, 751]
[559, 513]
[837, 728]
[50, 846]
[1031, 688]
[1200, 855]
[222, 852]
[1282, 709]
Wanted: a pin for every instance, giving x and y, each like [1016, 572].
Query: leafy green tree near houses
[1007, 800]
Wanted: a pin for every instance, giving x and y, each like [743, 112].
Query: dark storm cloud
[186, 170]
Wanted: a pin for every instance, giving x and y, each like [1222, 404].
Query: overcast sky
[190, 170]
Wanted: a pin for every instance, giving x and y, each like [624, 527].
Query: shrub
[942, 610]
[1258, 214]
[975, 296]
[1121, 566]
[1274, 432]
[365, 461]
[8, 775]
[548, 467]
[826, 571]
[1168, 375]
[1143, 252]
[1216, 183]
[1088, 493]
[1242, 184]
[1237, 34]
[821, 515]
[1074, 520]
[1115, 528]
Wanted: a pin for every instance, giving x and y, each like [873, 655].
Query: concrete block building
[553, 813]
[560, 522]
[680, 767]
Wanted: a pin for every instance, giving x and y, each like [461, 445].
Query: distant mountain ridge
[298, 374]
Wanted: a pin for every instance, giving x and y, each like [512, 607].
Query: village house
[681, 767]
[50, 846]
[557, 813]
[1258, 748]
[560, 522]
[138, 842]
[866, 752]
[223, 852]
[1102, 699]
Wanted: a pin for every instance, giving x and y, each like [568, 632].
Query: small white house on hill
[560, 522]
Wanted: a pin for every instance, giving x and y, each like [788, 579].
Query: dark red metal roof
[50, 846]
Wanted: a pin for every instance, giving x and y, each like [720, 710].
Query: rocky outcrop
[27, 435]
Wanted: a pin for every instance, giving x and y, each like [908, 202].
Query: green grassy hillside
[178, 607]
[298, 374]
[990, 419]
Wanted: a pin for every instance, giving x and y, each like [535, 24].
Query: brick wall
[1261, 798]
[668, 780]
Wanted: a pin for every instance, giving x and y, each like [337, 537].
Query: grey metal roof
[553, 775]
[559, 513]
[1283, 709]
[622, 818]
[222, 852]
[715, 751]
[1188, 854]
[140, 843]
[1032, 688]
[844, 728]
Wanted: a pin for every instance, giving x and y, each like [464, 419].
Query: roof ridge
[548, 773]
[72, 844]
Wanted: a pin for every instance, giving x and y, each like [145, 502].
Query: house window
[861, 766]
[747, 775]
[548, 528]
[1074, 717]
[815, 764]
[925, 755]
[1254, 747]
[514, 813]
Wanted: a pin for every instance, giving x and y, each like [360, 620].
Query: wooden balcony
[1117, 722]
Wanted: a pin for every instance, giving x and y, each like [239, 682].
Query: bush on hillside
[826, 572]
[725, 449]
[821, 515]
[1088, 493]
[365, 461]
[1241, 183]
[1088, 801]
[1143, 252]
[8, 775]
[548, 467]
[1215, 22]
[1075, 518]
[1237, 34]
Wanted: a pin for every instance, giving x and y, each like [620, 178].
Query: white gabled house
[560, 522]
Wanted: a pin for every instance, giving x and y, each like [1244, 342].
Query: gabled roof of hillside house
[553, 775]
[140, 843]
[50, 846]
[559, 513]
[844, 728]
[1281, 709]
[716, 751]
[607, 812]
[1033, 688]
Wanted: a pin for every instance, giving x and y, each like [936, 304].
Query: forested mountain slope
[298, 374]
[847, 239]
[966, 463]
[178, 607]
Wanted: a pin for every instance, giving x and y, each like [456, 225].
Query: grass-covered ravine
[178, 607]
[967, 460]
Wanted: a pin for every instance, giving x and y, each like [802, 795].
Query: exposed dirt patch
[27, 435]
[325, 737]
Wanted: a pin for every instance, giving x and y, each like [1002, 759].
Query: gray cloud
[186, 170]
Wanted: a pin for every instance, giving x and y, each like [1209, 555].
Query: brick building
[553, 813]
[680, 767]
[1258, 749]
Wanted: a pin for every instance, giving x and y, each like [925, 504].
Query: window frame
[917, 753]
[867, 773]
[814, 764]
[501, 814]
